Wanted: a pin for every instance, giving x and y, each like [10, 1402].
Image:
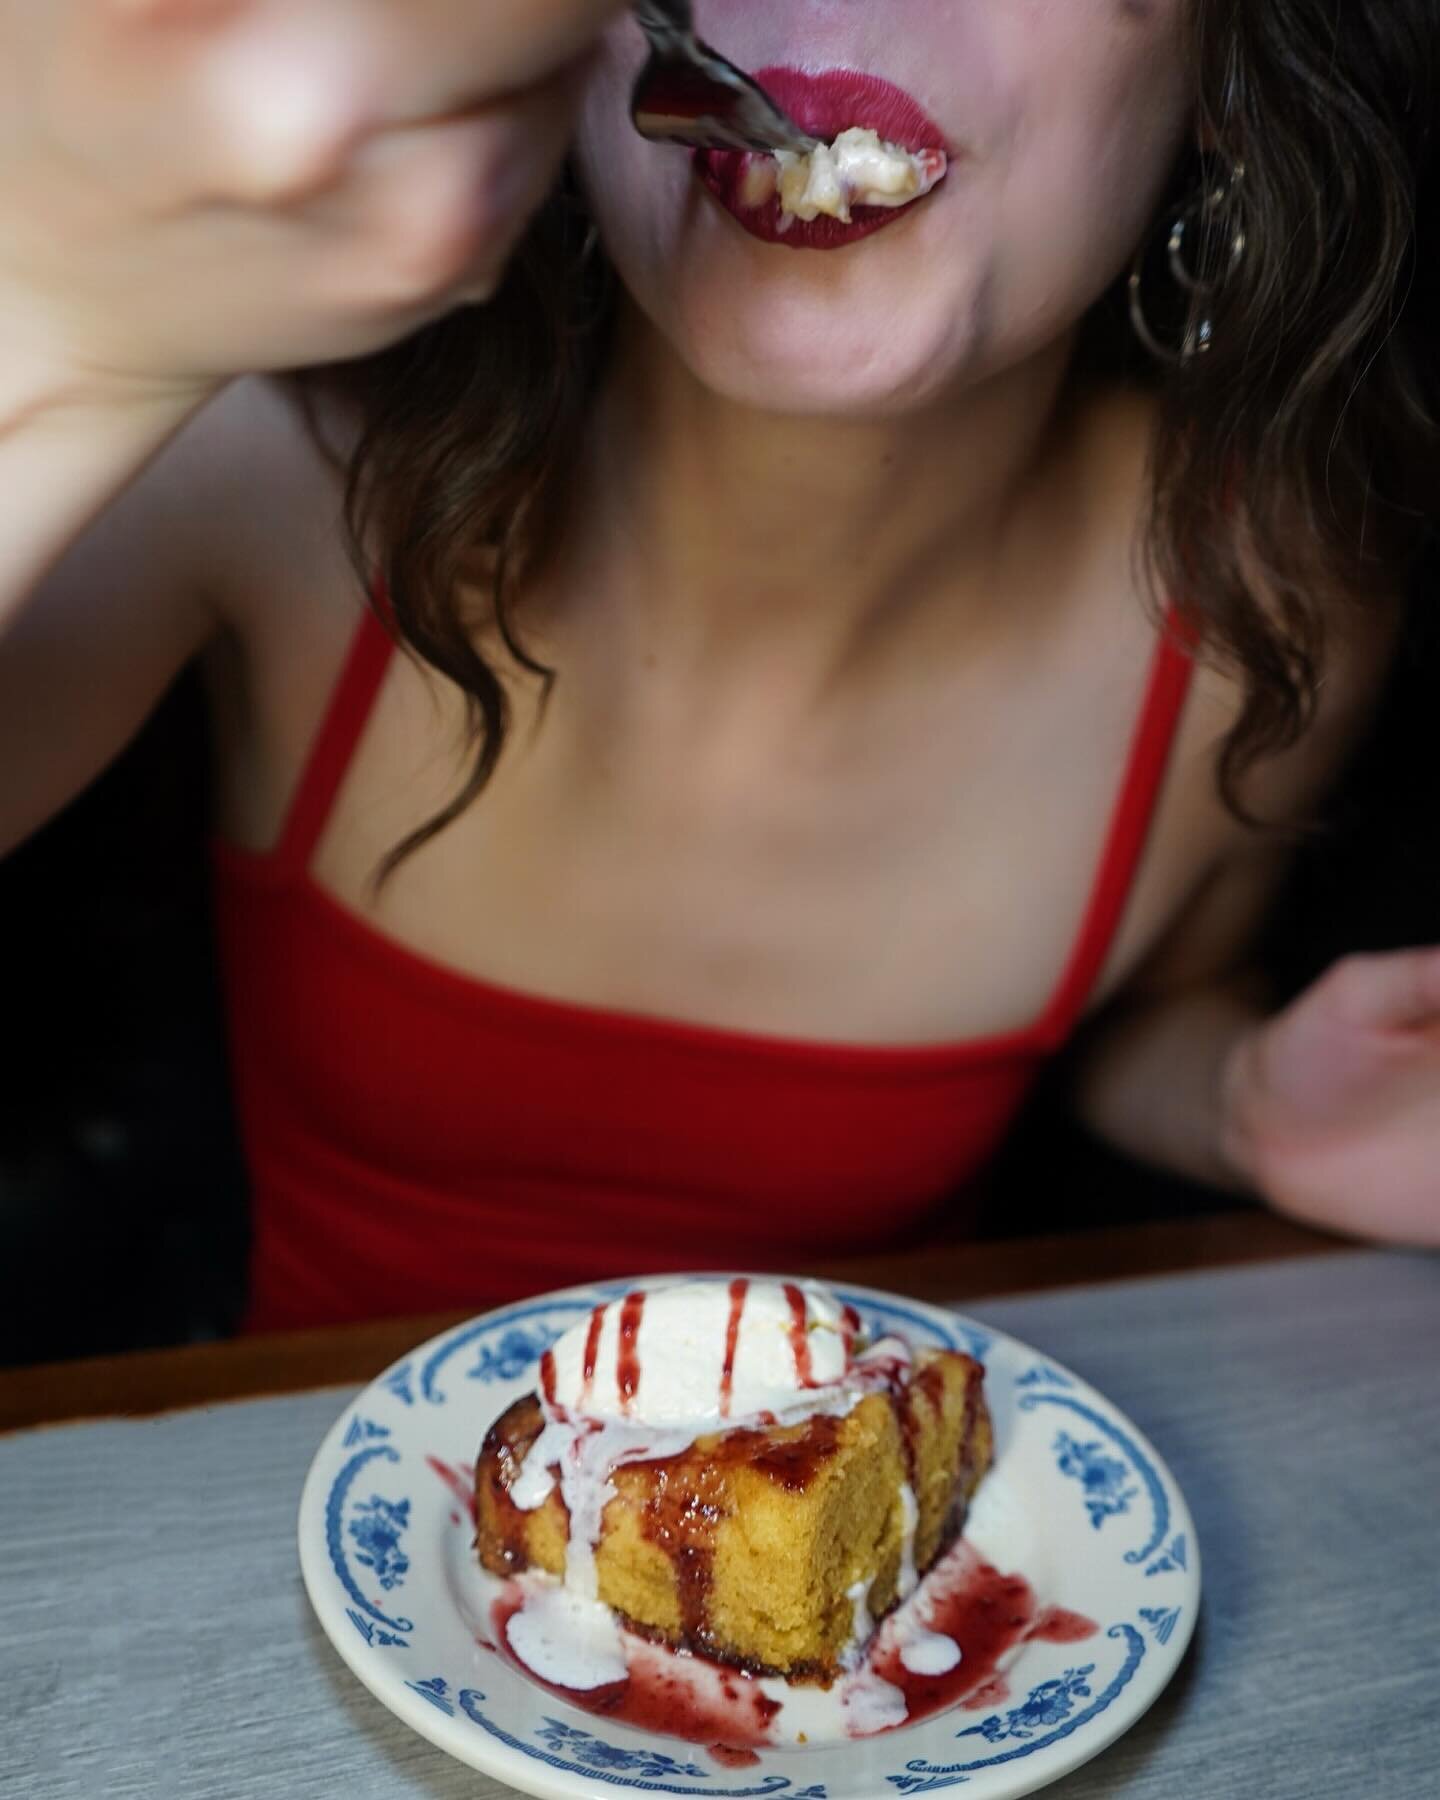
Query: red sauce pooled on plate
[989, 1615]
[678, 1696]
[460, 1481]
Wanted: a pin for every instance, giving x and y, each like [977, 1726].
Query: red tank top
[419, 1140]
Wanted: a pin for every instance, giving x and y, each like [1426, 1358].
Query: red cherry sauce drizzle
[592, 1352]
[989, 1615]
[739, 1288]
[800, 1335]
[1057, 1626]
[460, 1481]
[547, 1377]
[730, 1758]
[627, 1356]
[850, 1331]
[686, 1697]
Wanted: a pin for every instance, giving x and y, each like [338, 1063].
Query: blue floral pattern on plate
[513, 1355]
[585, 1747]
[1172, 1561]
[1105, 1479]
[1142, 1465]
[1162, 1620]
[1043, 1375]
[922, 1777]
[588, 1755]
[1048, 1704]
[377, 1528]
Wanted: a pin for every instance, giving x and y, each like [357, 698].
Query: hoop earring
[1201, 217]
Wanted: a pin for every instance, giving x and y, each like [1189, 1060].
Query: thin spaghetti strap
[1129, 831]
[346, 714]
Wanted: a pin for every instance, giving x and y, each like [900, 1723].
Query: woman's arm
[65, 454]
[145, 587]
[1330, 1110]
[1151, 1075]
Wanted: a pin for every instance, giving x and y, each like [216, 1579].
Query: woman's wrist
[1234, 1104]
[69, 442]
[1167, 1083]
[45, 387]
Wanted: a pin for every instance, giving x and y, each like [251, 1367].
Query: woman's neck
[715, 532]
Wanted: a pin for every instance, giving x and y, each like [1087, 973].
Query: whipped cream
[858, 169]
[704, 1354]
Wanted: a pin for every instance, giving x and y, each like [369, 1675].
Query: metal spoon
[688, 94]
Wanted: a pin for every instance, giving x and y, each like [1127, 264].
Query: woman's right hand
[195, 189]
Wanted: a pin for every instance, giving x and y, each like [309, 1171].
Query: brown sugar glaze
[506, 1445]
[690, 1496]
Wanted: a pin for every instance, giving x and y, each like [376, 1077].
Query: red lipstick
[823, 104]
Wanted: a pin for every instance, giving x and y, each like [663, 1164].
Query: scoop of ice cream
[858, 169]
[704, 1351]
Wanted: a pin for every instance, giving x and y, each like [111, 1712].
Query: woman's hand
[1332, 1109]
[195, 189]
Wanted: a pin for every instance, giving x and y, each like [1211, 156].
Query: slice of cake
[728, 1469]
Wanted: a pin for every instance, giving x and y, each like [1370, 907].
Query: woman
[836, 681]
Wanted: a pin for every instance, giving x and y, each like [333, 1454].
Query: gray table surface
[155, 1639]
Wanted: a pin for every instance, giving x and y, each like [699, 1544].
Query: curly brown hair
[1295, 464]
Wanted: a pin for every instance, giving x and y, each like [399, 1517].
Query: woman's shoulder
[261, 480]
[1117, 431]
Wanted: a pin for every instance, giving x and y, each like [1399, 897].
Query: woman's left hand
[1332, 1108]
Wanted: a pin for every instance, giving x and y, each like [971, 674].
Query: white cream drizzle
[861, 1624]
[870, 1704]
[930, 1653]
[561, 1638]
[910, 1518]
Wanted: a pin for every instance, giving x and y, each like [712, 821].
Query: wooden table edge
[141, 1384]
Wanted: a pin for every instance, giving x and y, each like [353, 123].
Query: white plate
[1077, 1501]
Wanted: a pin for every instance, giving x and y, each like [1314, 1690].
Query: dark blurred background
[122, 1194]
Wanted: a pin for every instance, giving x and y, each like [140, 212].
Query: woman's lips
[828, 103]
[823, 105]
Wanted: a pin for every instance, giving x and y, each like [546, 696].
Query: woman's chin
[814, 371]
[838, 334]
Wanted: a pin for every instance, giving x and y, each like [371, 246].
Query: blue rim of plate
[356, 1558]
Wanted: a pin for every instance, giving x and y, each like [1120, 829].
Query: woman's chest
[920, 873]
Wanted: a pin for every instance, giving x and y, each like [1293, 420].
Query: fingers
[219, 186]
[1399, 990]
[413, 59]
[444, 54]
[434, 211]
[271, 97]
